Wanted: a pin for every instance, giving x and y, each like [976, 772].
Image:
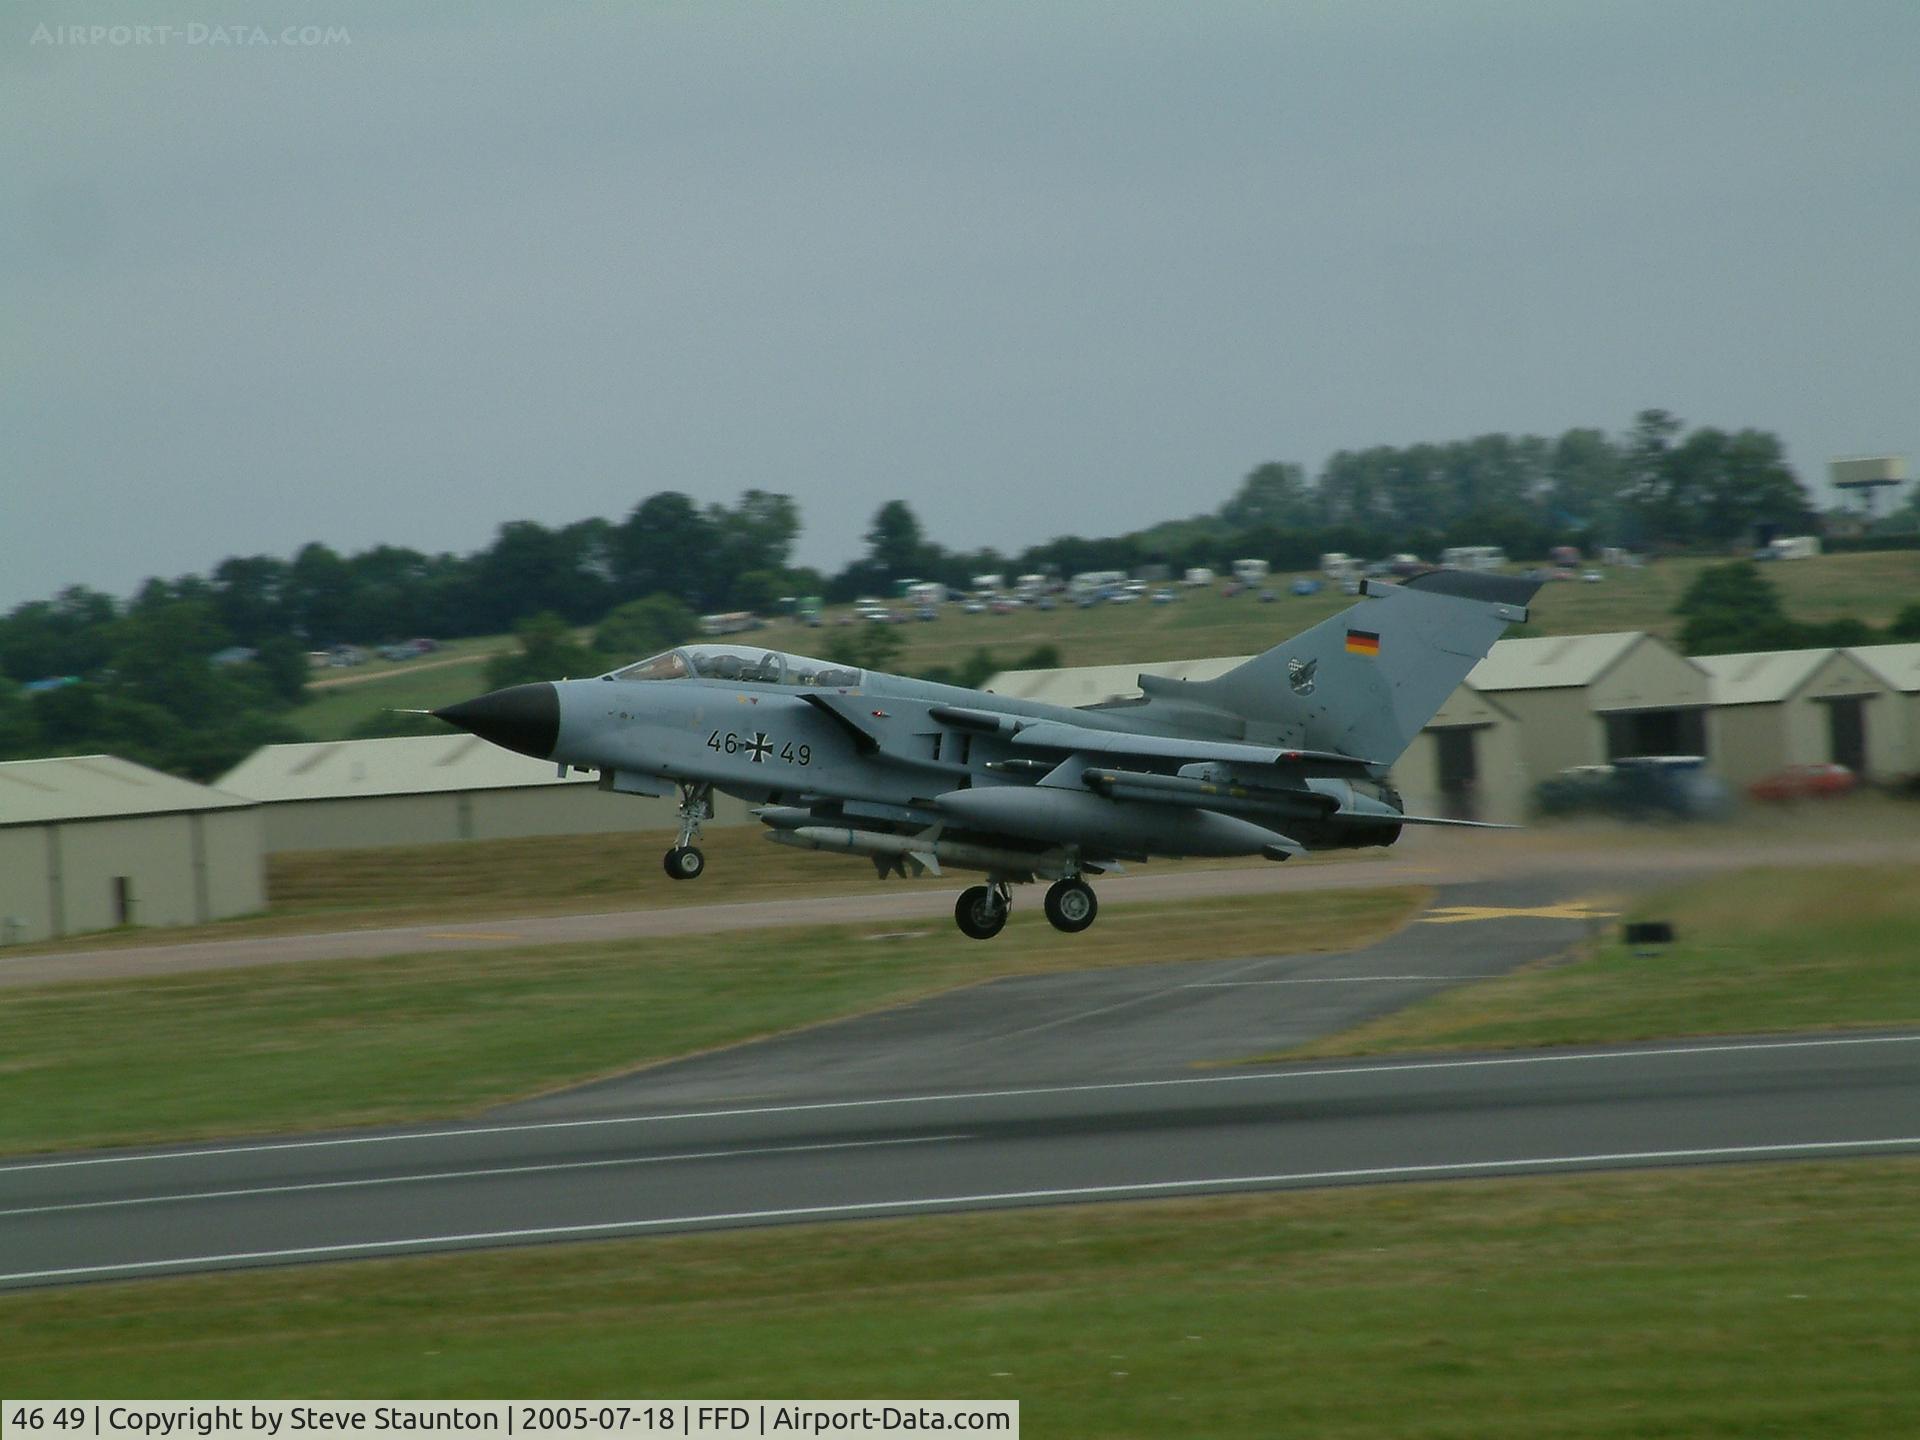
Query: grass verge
[330, 1044]
[1734, 1301]
[1758, 950]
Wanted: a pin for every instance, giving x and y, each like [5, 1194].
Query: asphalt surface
[1054, 1089]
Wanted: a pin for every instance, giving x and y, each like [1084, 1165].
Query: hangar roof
[409, 765]
[1551, 662]
[98, 787]
[1898, 665]
[1760, 677]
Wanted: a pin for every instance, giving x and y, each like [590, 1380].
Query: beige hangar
[1778, 708]
[1591, 699]
[1898, 667]
[90, 842]
[429, 790]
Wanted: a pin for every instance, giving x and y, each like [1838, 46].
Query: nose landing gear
[684, 861]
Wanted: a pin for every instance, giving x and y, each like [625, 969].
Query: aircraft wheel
[979, 913]
[685, 862]
[1071, 906]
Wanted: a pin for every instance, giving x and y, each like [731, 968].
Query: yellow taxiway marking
[468, 935]
[1570, 910]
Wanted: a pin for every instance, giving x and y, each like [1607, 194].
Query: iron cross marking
[759, 747]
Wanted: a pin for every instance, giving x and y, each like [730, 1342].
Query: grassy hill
[1870, 586]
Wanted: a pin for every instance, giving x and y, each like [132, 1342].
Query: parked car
[408, 649]
[1305, 585]
[1643, 787]
[1804, 782]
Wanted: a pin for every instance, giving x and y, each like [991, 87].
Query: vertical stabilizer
[1366, 681]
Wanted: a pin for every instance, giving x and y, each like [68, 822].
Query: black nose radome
[521, 717]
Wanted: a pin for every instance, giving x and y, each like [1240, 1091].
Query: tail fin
[1366, 681]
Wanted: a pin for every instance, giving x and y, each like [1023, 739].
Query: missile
[1019, 766]
[927, 852]
[1293, 803]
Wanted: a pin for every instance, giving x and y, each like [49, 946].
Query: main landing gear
[684, 861]
[1070, 905]
[981, 912]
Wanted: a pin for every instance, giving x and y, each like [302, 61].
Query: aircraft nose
[521, 717]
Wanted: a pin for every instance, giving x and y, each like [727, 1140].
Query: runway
[1103, 1085]
[396, 1192]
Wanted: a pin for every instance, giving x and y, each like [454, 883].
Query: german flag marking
[1363, 642]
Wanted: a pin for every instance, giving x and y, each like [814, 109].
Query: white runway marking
[944, 1202]
[1324, 980]
[1253, 1078]
[428, 1176]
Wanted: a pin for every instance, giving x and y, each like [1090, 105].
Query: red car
[1804, 782]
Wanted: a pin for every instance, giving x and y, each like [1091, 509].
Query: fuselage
[1284, 753]
[896, 753]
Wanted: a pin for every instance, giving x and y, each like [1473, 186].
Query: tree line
[143, 685]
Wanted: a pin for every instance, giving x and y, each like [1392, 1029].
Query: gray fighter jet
[1287, 753]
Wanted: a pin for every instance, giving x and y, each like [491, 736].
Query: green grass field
[1723, 1301]
[1760, 950]
[327, 1044]
[333, 712]
[1781, 1300]
[1872, 586]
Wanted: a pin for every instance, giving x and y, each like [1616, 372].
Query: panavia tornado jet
[1287, 753]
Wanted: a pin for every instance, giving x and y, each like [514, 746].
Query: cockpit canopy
[743, 664]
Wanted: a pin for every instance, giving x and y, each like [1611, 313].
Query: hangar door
[1458, 768]
[1632, 733]
[1847, 732]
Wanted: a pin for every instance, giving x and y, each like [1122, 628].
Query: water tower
[1862, 478]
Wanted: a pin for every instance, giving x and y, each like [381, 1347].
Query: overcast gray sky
[1035, 267]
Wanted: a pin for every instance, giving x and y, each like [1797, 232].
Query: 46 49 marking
[759, 746]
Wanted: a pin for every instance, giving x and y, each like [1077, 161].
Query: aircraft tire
[979, 914]
[1071, 906]
[685, 862]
